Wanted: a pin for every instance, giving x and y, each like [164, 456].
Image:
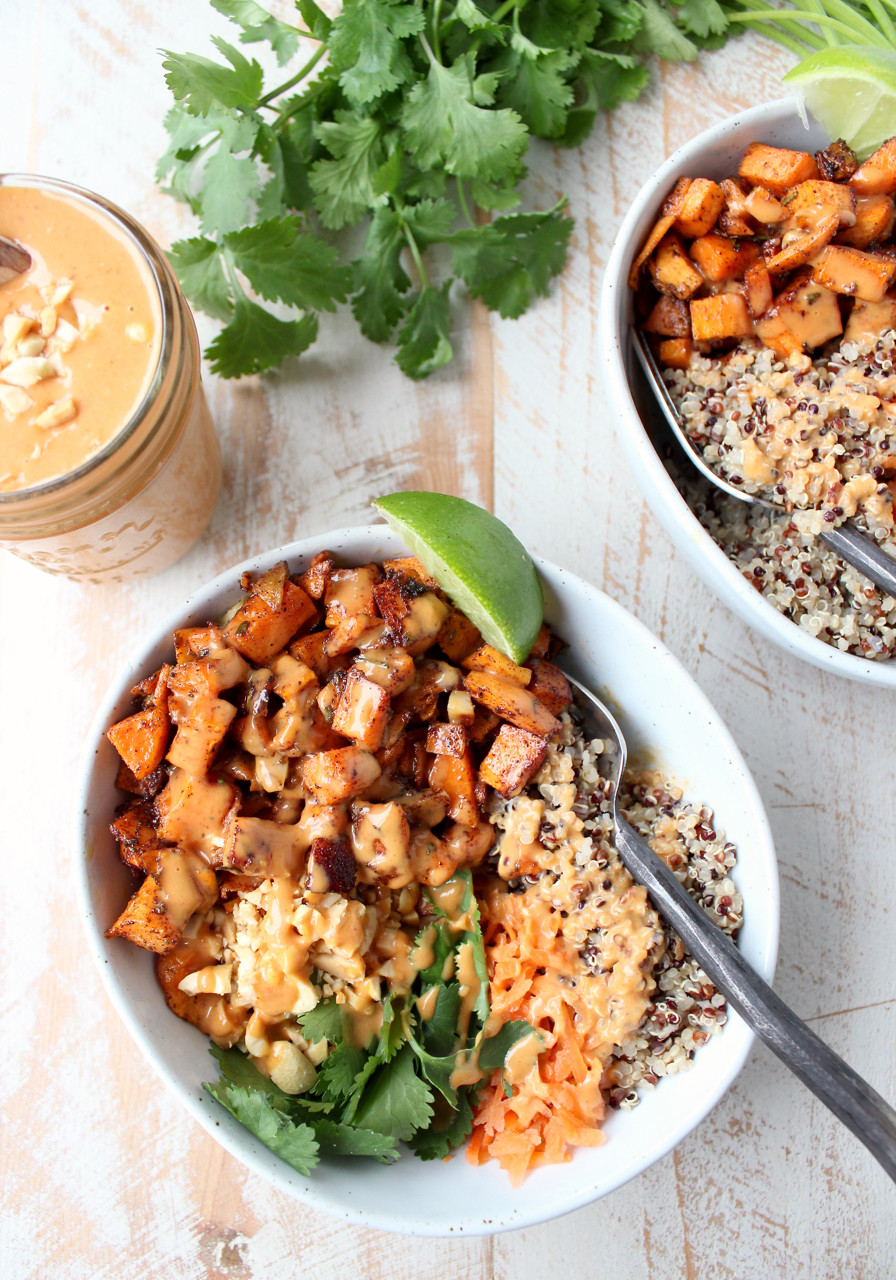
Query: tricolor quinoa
[818, 436]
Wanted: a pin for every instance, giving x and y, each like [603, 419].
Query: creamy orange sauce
[91, 300]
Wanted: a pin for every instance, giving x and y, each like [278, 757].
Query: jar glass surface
[145, 483]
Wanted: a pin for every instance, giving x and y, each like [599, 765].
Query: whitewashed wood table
[102, 1174]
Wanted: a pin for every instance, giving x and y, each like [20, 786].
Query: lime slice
[851, 90]
[477, 562]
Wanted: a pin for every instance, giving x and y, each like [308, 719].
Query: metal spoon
[851, 1099]
[853, 546]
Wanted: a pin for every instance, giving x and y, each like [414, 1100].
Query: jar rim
[151, 257]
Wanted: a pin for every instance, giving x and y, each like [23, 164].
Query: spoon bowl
[841, 1089]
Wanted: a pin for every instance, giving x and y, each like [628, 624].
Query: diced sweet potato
[763, 206]
[513, 759]
[192, 810]
[870, 320]
[734, 225]
[802, 245]
[702, 203]
[200, 734]
[757, 289]
[675, 353]
[144, 921]
[414, 618]
[549, 685]
[776, 168]
[811, 202]
[446, 740]
[291, 676]
[312, 650]
[458, 636]
[456, 778]
[362, 711]
[488, 658]
[802, 317]
[671, 209]
[874, 221]
[331, 776]
[720, 258]
[670, 318]
[141, 740]
[258, 632]
[854, 273]
[877, 176]
[672, 270]
[388, 666]
[315, 578]
[260, 847]
[138, 841]
[723, 315]
[410, 567]
[510, 702]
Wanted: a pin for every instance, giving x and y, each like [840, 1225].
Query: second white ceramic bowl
[668, 722]
[712, 154]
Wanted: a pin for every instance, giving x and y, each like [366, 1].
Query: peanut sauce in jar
[109, 464]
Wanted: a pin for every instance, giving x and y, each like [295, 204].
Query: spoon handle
[864, 554]
[851, 1098]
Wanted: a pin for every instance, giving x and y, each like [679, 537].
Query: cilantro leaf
[258, 25]
[702, 18]
[255, 340]
[396, 1102]
[201, 273]
[294, 1143]
[534, 83]
[284, 264]
[424, 343]
[343, 187]
[442, 125]
[352, 1140]
[474, 19]
[201, 84]
[325, 1021]
[317, 22]
[440, 1139]
[366, 50]
[231, 178]
[380, 279]
[508, 262]
[237, 1068]
[337, 1074]
[660, 35]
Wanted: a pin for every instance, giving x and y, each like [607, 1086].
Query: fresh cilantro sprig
[409, 122]
[400, 1087]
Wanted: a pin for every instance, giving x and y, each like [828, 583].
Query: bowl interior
[713, 154]
[665, 717]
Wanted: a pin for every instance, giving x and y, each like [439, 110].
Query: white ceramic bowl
[712, 154]
[664, 714]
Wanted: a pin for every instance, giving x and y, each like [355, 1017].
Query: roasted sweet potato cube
[776, 168]
[853, 272]
[724, 315]
[720, 258]
[410, 567]
[146, 787]
[155, 687]
[192, 810]
[874, 221]
[258, 632]
[801, 248]
[544, 641]
[456, 778]
[877, 176]
[331, 776]
[757, 289]
[675, 353]
[413, 761]
[260, 847]
[549, 685]
[200, 733]
[734, 225]
[702, 203]
[311, 649]
[512, 760]
[299, 726]
[144, 920]
[810, 202]
[414, 618]
[315, 578]
[388, 666]
[670, 211]
[349, 594]
[672, 271]
[670, 318]
[138, 841]
[182, 650]
[291, 676]
[870, 320]
[801, 318]
[763, 206]
[487, 658]
[141, 740]
[458, 636]
[510, 702]
[446, 740]
[362, 711]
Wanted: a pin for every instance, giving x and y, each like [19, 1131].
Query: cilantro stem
[462, 197]
[415, 252]
[883, 19]
[436, 18]
[506, 7]
[857, 28]
[294, 80]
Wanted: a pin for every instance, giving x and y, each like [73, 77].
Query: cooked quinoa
[818, 436]
[564, 814]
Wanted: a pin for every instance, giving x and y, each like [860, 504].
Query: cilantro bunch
[397, 1089]
[387, 163]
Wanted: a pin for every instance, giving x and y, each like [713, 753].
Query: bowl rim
[671, 509]
[738, 1038]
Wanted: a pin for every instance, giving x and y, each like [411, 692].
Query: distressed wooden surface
[103, 1175]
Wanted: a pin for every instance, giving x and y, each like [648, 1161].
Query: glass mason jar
[142, 500]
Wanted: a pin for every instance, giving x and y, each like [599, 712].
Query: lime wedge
[477, 562]
[851, 90]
